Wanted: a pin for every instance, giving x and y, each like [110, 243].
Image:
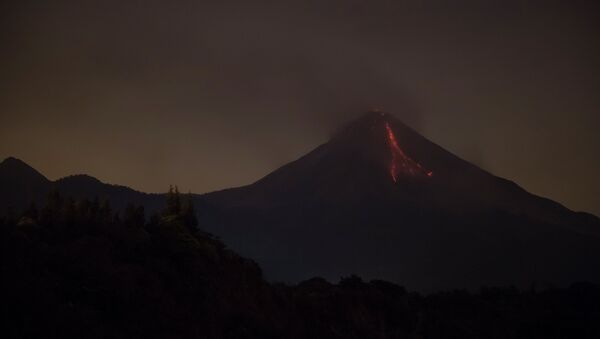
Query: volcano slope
[381, 201]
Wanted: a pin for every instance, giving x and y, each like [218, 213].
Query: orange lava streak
[400, 161]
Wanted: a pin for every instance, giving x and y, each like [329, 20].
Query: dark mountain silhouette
[378, 200]
[20, 185]
[382, 201]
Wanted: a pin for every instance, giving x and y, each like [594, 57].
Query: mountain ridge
[25, 186]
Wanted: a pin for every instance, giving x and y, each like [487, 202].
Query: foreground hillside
[77, 269]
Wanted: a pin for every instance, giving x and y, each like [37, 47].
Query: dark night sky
[209, 95]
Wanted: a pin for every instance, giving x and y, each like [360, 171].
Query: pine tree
[51, 212]
[173, 202]
[188, 214]
[105, 213]
[133, 216]
[94, 208]
[69, 211]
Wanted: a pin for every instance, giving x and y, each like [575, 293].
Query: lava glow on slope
[401, 163]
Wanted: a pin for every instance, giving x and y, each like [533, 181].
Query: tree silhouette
[188, 214]
[173, 202]
[133, 216]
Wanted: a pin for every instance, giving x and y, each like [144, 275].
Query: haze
[209, 95]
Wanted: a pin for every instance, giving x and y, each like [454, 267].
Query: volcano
[381, 201]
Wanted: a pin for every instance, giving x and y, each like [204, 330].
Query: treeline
[66, 212]
[79, 269]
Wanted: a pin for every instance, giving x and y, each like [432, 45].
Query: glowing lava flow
[400, 161]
